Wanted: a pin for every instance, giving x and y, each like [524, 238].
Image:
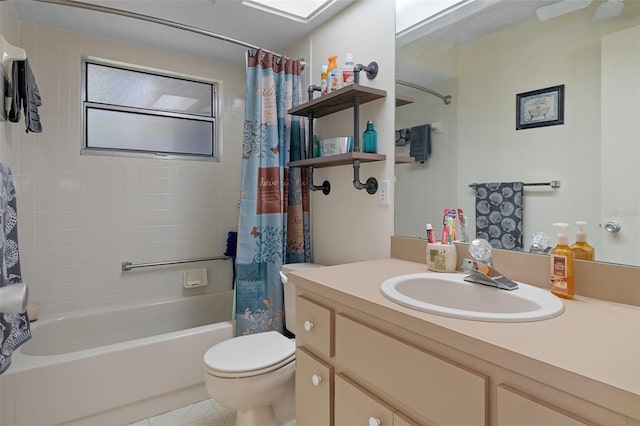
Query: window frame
[215, 119]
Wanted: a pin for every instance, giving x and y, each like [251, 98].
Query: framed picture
[538, 108]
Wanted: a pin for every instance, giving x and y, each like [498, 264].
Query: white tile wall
[80, 216]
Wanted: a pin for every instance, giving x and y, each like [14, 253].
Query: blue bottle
[370, 139]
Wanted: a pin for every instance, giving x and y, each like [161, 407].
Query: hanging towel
[499, 214]
[420, 140]
[26, 94]
[14, 328]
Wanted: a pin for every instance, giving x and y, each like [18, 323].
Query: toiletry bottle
[370, 139]
[581, 249]
[333, 74]
[348, 76]
[324, 81]
[562, 281]
[431, 237]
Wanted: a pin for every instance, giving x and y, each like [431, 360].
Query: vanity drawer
[314, 326]
[438, 390]
[314, 391]
[355, 406]
[518, 408]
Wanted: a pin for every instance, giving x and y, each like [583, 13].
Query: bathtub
[116, 366]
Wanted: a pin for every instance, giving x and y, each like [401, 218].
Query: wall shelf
[403, 159]
[349, 97]
[338, 160]
[339, 100]
[404, 100]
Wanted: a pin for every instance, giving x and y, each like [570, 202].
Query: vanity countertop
[592, 350]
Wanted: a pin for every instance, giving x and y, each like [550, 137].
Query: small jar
[370, 139]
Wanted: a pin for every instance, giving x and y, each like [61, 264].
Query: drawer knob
[316, 379]
[374, 421]
[308, 325]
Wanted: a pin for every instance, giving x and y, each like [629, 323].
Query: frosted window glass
[137, 112]
[149, 133]
[117, 86]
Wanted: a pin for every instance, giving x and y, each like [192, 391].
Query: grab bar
[127, 265]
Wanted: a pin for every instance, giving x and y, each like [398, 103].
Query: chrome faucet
[481, 271]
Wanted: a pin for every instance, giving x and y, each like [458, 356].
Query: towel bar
[553, 184]
[127, 265]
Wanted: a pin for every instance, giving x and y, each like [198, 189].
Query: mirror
[483, 58]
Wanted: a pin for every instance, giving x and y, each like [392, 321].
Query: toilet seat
[250, 355]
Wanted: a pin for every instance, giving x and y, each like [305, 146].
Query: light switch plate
[384, 197]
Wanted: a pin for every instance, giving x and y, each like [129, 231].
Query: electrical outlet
[384, 198]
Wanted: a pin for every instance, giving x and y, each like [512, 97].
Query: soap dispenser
[562, 280]
[581, 248]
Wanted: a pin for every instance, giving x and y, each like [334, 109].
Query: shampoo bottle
[581, 249]
[562, 281]
[333, 74]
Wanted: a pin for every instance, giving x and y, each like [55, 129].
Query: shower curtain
[273, 227]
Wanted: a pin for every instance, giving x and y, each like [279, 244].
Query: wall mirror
[483, 54]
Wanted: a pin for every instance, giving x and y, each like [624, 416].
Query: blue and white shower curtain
[273, 227]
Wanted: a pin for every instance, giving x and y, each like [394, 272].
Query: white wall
[80, 216]
[348, 224]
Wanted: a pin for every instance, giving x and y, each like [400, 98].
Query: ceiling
[229, 18]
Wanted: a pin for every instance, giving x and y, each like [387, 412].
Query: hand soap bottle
[562, 281]
[581, 249]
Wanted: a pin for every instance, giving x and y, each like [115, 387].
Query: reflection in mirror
[483, 59]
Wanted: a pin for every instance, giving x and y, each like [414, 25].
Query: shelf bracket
[371, 70]
[325, 187]
[311, 89]
[371, 185]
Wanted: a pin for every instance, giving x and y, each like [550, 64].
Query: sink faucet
[481, 271]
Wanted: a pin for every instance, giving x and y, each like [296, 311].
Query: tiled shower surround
[80, 216]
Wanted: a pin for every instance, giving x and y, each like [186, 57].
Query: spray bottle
[581, 249]
[333, 74]
[562, 280]
[324, 81]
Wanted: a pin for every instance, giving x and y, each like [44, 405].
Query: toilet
[254, 374]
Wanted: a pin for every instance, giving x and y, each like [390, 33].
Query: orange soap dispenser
[581, 248]
[562, 281]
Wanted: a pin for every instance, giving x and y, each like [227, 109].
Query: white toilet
[254, 374]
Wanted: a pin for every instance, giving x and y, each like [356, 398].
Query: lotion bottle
[324, 80]
[562, 280]
[348, 75]
[581, 249]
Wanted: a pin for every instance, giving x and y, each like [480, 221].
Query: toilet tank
[290, 292]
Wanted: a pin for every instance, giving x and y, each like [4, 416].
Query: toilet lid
[248, 355]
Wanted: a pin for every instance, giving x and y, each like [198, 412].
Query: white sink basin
[449, 295]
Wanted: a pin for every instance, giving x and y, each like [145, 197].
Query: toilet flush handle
[316, 379]
[308, 325]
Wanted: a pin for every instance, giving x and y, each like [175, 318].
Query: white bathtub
[116, 366]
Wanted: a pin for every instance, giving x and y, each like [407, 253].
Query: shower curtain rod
[160, 21]
[446, 98]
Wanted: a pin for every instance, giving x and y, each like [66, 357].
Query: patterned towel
[14, 328]
[499, 214]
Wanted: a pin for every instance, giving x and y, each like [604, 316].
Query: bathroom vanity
[363, 359]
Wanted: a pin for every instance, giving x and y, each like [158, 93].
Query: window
[138, 112]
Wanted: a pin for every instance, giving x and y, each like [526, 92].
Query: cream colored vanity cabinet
[517, 408]
[435, 388]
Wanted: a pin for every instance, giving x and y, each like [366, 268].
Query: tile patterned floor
[205, 413]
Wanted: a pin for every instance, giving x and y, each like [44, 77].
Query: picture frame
[539, 108]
